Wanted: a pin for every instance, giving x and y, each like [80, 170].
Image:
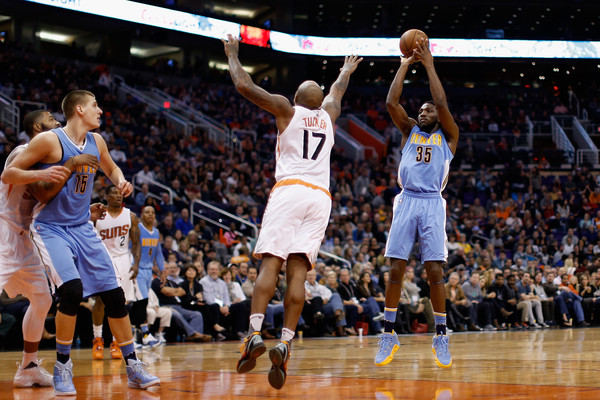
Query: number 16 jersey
[304, 147]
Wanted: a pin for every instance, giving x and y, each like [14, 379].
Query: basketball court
[541, 364]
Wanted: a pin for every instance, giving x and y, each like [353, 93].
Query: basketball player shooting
[428, 146]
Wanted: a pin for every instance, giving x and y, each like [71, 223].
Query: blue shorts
[75, 252]
[143, 283]
[422, 217]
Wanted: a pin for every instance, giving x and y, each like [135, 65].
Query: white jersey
[16, 204]
[114, 232]
[304, 147]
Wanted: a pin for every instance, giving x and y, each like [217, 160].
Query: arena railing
[121, 89]
[584, 142]
[215, 129]
[352, 148]
[137, 182]
[561, 140]
[219, 216]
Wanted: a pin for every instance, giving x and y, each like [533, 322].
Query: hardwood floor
[543, 364]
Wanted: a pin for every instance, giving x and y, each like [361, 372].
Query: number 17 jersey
[304, 147]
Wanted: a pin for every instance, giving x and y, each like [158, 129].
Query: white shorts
[122, 266]
[21, 269]
[294, 222]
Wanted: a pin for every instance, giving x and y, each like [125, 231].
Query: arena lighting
[325, 46]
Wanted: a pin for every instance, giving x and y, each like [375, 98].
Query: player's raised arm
[333, 101]
[392, 102]
[275, 104]
[445, 117]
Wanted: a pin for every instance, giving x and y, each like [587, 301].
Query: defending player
[428, 146]
[21, 270]
[78, 262]
[300, 203]
[117, 230]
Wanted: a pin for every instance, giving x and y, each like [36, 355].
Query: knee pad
[70, 294]
[114, 303]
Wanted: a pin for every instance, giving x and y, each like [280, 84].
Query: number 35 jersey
[425, 162]
[71, 206]
[304, 147]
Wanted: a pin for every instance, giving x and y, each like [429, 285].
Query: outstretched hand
[231, 45]
[350, 63]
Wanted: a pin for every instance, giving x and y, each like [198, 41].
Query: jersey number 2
[319, 146]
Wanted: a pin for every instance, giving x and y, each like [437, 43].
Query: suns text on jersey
[113, 232]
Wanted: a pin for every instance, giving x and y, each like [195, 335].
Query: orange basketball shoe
[98, 349]
[115, 351]
[252, 348]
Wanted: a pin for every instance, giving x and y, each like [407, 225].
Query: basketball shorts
[143, 283]
[75, 252]
[21, 269]
[419, 217]
[294, 222]
[122, 265]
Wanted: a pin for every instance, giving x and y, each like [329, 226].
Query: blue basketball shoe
[388, 345]
[63, 379]
[138, 377]
[440, 349]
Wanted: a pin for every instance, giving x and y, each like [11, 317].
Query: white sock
[287, 335]
[29, 357]
[97, 331]
[256, 321]
[114, 340]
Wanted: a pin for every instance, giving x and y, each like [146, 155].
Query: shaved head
[309, 95]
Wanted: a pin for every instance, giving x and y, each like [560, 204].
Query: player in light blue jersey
[77, 261]
[151, 255]
[428, 146]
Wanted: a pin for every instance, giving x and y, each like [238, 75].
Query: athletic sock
[287, 335]
[440, 323]
[256, 321]
[389, 319]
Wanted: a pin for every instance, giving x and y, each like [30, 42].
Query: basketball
[409, 40]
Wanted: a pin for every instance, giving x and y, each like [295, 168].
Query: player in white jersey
[117, 230]
[21, 270]
[298, 210]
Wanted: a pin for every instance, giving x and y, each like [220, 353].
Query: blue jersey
[151, 249]
[71, 206]
[425, 162]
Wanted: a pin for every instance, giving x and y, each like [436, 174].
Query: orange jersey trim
[286, 182]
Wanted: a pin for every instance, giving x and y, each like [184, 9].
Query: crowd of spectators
[522, 225]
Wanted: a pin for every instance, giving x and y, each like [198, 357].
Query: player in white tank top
[304, 147]
[299, 205]
[21, 270]
[118, 227]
